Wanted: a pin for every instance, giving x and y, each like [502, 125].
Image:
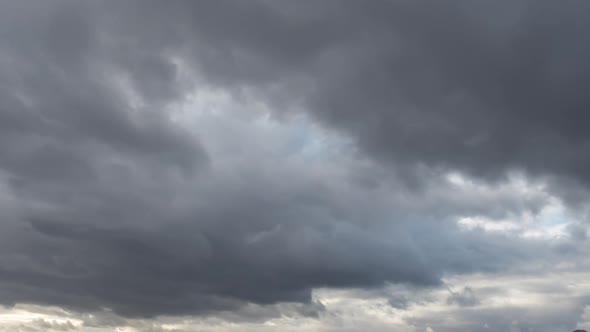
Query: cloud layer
[227, 159]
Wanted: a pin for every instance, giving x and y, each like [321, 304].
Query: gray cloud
[464, 298]
[109, 201]
[478, 87]
[399, 302]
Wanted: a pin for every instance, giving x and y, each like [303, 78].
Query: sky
[276, 165]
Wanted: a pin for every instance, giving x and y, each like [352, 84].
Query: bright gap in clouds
[549, 222]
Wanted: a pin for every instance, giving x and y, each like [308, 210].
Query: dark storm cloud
[238, 243]
[111, 203]
[467, 85]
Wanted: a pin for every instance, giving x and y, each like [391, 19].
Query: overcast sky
[270, 165]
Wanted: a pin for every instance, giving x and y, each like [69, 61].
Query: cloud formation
[228, 158]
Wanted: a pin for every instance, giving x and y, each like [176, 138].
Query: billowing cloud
[231, 159]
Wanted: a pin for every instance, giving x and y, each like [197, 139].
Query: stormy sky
[282, 165]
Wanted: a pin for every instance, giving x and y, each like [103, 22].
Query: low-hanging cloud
[111, 198]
